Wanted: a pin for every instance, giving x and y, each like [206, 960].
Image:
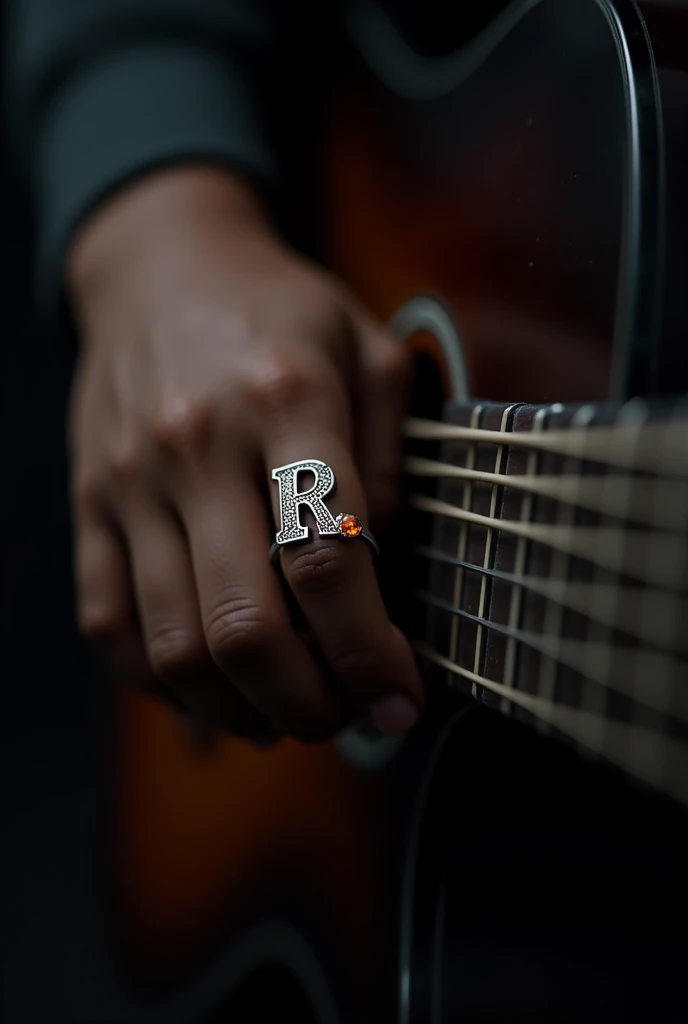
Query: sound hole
[270, 993]
[543, 887]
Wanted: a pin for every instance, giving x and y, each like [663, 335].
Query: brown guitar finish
[504, 199]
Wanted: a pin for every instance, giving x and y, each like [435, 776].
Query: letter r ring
[345, 525]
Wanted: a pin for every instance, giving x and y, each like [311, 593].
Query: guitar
[506, 208]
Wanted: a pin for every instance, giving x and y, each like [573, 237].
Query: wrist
[161, 209]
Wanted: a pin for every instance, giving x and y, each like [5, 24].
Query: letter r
[290, 499]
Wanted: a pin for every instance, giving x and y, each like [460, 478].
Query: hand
[210, 354]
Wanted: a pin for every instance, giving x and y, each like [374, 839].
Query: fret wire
[463, 542]
[662, 504]
[609, 445]
[645, 613]
[489, 540]
[626, 742]
[666, 570]
[662, 690]
[516, 595]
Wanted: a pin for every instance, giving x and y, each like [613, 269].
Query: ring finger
[334, 582]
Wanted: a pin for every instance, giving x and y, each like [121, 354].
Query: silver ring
[345, 526]
[364, 534]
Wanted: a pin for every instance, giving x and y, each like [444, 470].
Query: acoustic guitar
[514, 210]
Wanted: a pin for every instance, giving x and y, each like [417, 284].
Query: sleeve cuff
[126, 113]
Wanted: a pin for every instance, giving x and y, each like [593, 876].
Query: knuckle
[278, 386]
[184, 425]
[317, 569]
[173, 654]
[238, 629]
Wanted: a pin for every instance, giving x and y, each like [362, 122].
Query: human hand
[210, 354]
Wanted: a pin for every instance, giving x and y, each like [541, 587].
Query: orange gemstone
[351, 526]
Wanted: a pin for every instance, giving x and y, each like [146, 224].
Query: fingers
[246, 621]
[172, 630]
[145, 626]
[382, 385]
[106, 605]
[104, 594]
[334, 583]
[190, 598]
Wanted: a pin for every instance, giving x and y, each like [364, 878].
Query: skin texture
[211, 353]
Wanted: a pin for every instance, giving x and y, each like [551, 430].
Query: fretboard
[551, 569]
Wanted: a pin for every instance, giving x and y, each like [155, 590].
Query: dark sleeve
[100, 91]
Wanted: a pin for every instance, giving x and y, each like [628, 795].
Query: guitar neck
[551, 572]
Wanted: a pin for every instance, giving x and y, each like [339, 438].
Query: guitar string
[652, 616]
[662, 687]
[659, 503]
[590, 658]
[665, 569]
[611, 445]
[624, 741]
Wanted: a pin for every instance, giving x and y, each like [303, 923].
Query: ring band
[345, 526]
[364, 534]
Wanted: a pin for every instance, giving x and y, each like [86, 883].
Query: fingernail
[393, 715]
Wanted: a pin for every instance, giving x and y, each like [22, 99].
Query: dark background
[50, 718]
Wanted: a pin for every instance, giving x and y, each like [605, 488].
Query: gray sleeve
[100, 91]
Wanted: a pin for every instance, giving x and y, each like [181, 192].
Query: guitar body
[503, 191]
